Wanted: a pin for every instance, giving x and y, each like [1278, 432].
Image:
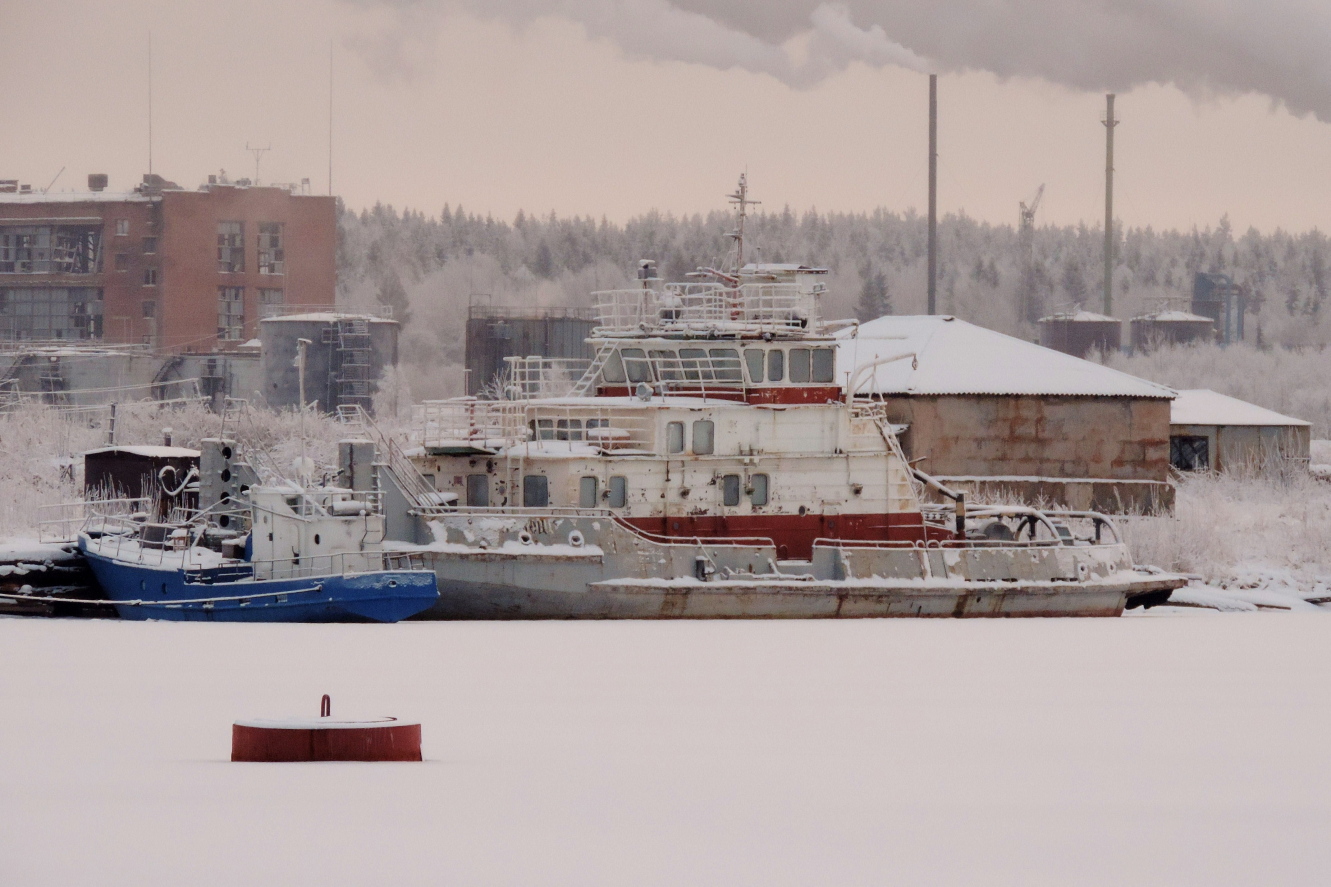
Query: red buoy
[325, 739]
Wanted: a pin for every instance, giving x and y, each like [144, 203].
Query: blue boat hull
[144, 592]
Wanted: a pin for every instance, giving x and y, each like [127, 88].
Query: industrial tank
[344, 361]
[1080, 332]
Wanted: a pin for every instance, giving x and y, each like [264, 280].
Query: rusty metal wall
[1150, 333]
[496, 333]
[1122, 442]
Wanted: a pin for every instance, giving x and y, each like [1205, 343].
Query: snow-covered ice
[1175, 747]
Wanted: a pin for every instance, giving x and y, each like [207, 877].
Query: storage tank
[1170, 327]
[496, 332]
[344, 361]
[1080, 332]
[1218, 297]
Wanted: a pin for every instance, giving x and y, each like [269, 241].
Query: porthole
[316, 538]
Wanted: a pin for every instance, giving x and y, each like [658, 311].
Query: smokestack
[1110, 123]
[933, 193]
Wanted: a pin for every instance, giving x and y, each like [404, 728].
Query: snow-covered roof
[956, 357]
[1175, 316]
[1079, 317]
[328, 317]
[780, 268]
[73, 197]
[1202, 406]
[154, 452]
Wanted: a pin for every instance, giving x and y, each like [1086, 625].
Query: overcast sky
[614, 107]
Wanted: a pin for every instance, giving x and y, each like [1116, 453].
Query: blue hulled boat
[278, 553]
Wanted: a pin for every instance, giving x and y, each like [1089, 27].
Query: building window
[50, 249]
[269, 299]
[150, 245]
[150, 277]
[619, 491]
[230, 313]
[122, 261]
[1189, 452]
[535, 491]
[149, 308]
[704, 437]
[50, 313]
[587, 492]
[478, 490]
[730, 490]
[122, 227]
[272, 255]
[230, 247]
[758, 489]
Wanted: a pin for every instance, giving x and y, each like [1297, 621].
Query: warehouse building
[1211, 431]
[998, 416]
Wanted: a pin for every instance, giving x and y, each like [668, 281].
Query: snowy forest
[430, 268]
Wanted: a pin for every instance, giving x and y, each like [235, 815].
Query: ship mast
[741, 199]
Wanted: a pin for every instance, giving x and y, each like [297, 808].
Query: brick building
[161, 266]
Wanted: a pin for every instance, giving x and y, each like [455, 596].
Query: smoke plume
[1275, 47]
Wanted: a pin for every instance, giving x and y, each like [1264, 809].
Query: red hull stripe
[793, 534]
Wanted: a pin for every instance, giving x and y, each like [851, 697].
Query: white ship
[714, 462]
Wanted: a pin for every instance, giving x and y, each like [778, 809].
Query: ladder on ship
[584, 386]
[419, 492]
[355, 354]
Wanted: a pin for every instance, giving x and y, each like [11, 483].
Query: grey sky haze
[614, 107]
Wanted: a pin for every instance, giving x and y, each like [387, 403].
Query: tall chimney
[1110, 123]
[933, 193]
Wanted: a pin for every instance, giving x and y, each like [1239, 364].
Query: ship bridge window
[799, 364]
[535, 491]
[613, 371]
[754, 358]
[478, 491]
[587, 492]
[758, 489]
[542, 429]
[824, 364]
[776, 365]
[636, 366]
[693, 363]
[667, 366]
[618, 492]
[674, 437]
[568, 429]
[704, 437]
[725, 365]
[730, 490]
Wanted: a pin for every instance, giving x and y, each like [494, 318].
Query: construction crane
[1028, 212]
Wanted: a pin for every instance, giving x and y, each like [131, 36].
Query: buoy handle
[326, 706]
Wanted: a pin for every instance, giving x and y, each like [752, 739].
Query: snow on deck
[1202, 406]
[1157, 749]
[956, 357]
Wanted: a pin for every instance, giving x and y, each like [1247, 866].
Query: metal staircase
[419, 492]
[354, 361]
[584, 386]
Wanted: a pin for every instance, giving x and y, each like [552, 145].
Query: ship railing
[526, 378]
[469, 421]
[342, 563]
[63, 521]
[606, 428]
[681, 309]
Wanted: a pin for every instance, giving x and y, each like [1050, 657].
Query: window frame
[617, 491]
[765, 485]
[535, 491]
[703, 437]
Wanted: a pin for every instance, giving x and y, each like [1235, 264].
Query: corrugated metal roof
[956, 357]
[1202, 406]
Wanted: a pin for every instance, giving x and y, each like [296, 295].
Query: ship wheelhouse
[710, 411]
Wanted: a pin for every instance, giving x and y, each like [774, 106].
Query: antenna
[150, 102]
[741, 198]
[258, 154]
[53, 181]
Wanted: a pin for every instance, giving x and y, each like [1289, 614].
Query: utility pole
[1109, 123]
[933, 194]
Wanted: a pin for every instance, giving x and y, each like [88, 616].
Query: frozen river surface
[1151, 750]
